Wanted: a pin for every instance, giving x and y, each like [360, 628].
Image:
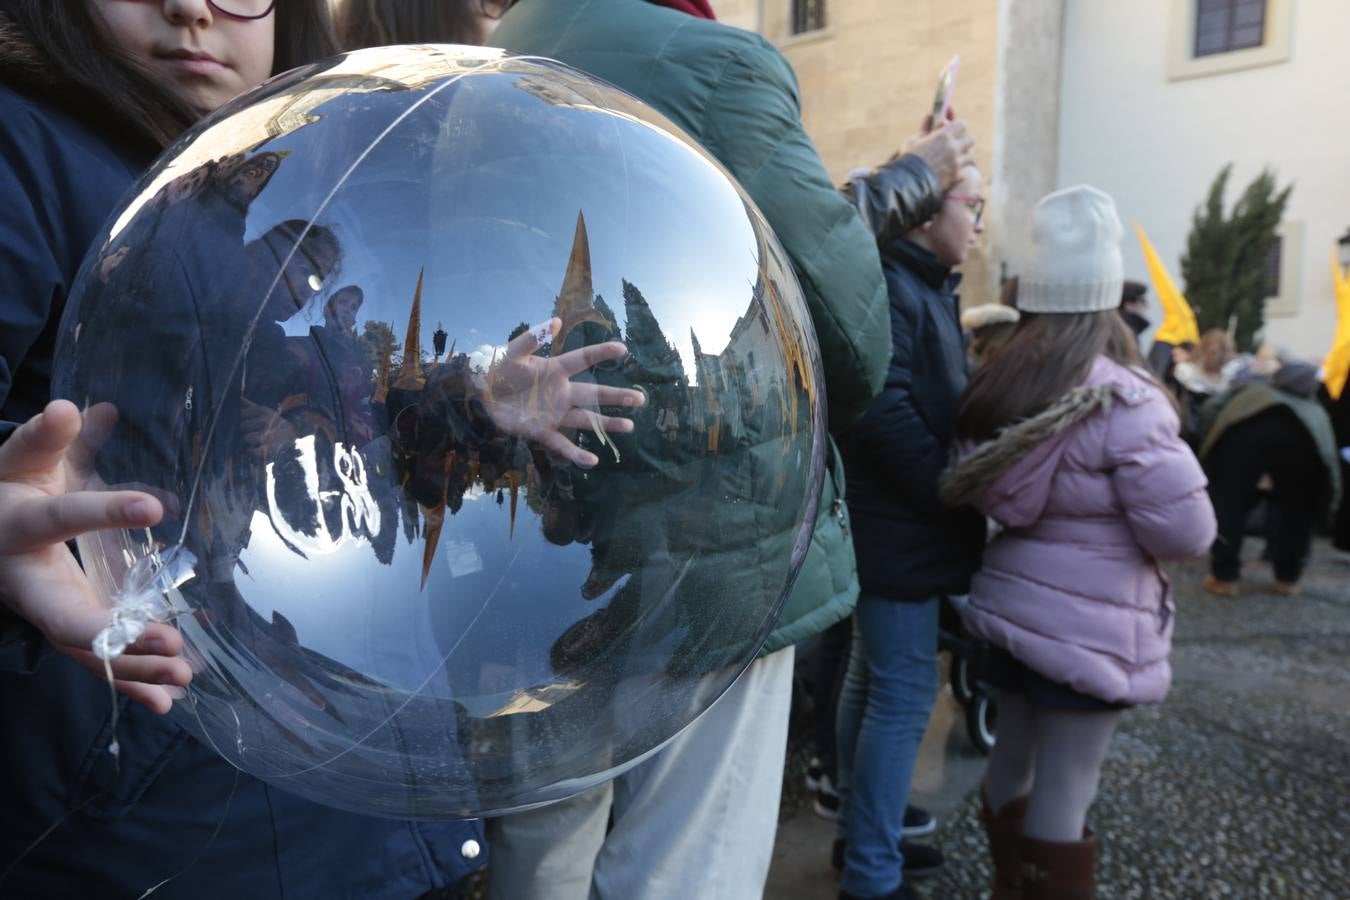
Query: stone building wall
[868, 77]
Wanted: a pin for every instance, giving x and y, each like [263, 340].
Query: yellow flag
[1178, 324]
[1336, 367]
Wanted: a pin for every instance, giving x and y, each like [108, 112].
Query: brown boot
[1004, 832]
[1058, 870]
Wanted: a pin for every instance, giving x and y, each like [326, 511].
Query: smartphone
[942, 100]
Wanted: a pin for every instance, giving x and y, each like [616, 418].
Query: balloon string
[144, 598]
[220, 825]
[114, 748]
[225, 814]
[47, 833]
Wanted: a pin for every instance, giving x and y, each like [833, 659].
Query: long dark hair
[378, 23]
[60, 52]
[1046, 357]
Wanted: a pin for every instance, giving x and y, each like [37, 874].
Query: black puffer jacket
[895, 198]
[909, 545]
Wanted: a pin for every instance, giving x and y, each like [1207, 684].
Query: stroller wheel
[981, 721]
[962, 679]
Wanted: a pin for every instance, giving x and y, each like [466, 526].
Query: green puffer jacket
[734, 93]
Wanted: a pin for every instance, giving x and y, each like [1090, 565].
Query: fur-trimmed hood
[974, 318]
[974, 473]
[1092, 493]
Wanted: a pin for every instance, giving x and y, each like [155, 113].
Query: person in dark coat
[912, 550]
[1269, 427]
[1134, 307]
[77, 126]
[896, 197]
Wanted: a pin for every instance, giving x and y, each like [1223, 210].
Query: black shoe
[918, 822]
[920, 859]
[903, 892]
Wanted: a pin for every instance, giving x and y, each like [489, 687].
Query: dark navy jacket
[909, 545]
[123, 833]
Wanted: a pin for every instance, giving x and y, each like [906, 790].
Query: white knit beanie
[1077, 267]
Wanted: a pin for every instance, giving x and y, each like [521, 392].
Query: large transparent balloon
[488, 418]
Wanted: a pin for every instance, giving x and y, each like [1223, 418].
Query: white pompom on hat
[1077, 266]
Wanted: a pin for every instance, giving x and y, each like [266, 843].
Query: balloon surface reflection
[486, 411]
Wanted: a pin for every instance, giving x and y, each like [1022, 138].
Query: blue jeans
[883, 713]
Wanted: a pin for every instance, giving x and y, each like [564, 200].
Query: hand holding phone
[942, 100]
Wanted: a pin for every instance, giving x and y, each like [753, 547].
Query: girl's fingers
[561, 446]
[51, 520]
[38, 445]
[156, 698]
[583, 419]
[527, 342]
[163, 671]
[576, 361]
[98, 423]
[158, 640]
[587, 394]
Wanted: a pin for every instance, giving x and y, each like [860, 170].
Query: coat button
[470, 849]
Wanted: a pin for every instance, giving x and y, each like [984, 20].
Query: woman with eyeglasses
[378, 23]
[90, 92]
[912, 551]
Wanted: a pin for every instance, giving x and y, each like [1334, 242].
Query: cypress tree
[1224, 266]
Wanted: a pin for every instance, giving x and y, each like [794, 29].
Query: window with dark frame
[807, 15]
[1222, 26]
[1274, 259]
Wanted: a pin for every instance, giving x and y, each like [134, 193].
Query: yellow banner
[1337, 364]
[1178, 324]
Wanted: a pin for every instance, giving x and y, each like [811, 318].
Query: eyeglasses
[247, 10]
[243, 9]
[974, 204]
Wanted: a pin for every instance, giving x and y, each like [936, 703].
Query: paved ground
[1237, 787]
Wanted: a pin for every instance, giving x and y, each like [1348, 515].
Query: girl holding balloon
[90, 92]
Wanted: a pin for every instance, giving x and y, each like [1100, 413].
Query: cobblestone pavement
[1238, 786]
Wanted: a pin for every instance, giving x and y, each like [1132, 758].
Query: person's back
[1085, 515]
[910, 546]
[732, 92]
[1269, 427]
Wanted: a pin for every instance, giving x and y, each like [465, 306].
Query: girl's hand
[535, 397]
[41, 582]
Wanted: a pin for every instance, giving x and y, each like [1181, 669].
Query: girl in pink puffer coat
[1074, 452]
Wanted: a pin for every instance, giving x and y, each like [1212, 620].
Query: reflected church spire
[410, 374]
[575, 303]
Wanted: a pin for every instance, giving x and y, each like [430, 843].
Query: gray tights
[1056, 755]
